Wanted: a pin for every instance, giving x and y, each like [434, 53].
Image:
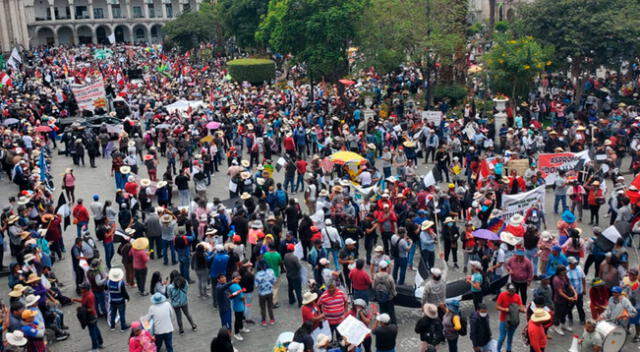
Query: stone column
[90, 9]
[76, 39]
[109, 12]
[72, 11]
[94, 36]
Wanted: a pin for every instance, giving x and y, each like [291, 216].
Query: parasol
[486, 234]
[347, 82]
[213, 125]
[206, 139]
[347, 158]
[43, 129]
[10, 121]
[163, 126]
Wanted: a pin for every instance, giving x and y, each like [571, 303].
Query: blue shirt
[476, 277]
[427, 243]
[554, 262]
[218, 264]
[575, 278]
[238, 300]
[264, 281]
[224, 305]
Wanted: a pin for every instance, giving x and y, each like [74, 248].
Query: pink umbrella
[347, 82]
[213, 125]
[43, 129]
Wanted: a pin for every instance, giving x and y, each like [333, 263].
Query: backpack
[281, 199]
[100, 232]
[381, 293]
[513, 317]
[463, 329]
[395, 249]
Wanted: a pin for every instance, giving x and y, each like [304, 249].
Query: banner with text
[521, 202]
[550, 164]
[90, 96]
[432, 116]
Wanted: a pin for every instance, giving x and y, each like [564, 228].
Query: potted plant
[501, 102]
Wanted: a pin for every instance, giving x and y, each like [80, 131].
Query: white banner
[90, 96]
[432, 116]
[521, 202]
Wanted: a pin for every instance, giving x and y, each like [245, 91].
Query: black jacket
[480, 333]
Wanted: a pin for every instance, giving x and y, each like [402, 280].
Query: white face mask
[483, 315]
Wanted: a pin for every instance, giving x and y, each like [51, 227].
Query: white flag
[429, 179]
[112, 38]
[15, 59]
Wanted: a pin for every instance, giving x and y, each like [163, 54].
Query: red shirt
[81, 213]
[537, 336]
[289, 144]
[301, 165]
[89, 302]
[333, 306]
[360, 279]
[131, 188]
[505, 300]
[310, 311]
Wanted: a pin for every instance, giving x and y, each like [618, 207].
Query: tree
[316, 32]
[586, 33]
[190, 29]
[241, 19]
[516, 62]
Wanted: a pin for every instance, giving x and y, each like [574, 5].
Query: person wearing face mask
[480, 329]
[434, 289]
[450, 234]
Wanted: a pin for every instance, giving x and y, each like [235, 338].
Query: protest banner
[550, 164]
[520, 165]
[521, 202]
[353, 330]
[432, 116]
[90, 96]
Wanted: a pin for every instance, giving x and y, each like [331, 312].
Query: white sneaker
[245, 330]
[238, 337]
[558, 330]
[568, 328]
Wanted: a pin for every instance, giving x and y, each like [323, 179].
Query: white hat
[436, 272]
[324, 261]
[349, 241]
[309, 297]
[295, 347]
[572, 260]
[116, 274]
[322, 340]
[476, 264]
[378, 249]
[16, 338]
[516, 220]
[509, 238]
[328, 222]
[384, 264]
[383, 318]
[546, 235]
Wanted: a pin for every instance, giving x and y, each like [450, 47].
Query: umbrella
[43, 129]
[10, 121]
[486, 234]
[347, 82]
[213, 125]
[206, 139]
[474, 69]
[163, 126]
[347, 157]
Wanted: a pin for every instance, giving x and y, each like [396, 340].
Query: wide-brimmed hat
[516, 220]
[337, 189]
[161, 184]
[245, 195]
[12, 219]
[540, 315]
[46, 218]
[379, 249]
[16, 338]
[245, 163]
[430, 310]
[116, 274]
[322, 340]
[33, 277]
[140, 243]
[509, 238]
[166, 218]
[23, 200]
[449, 219]
[309, 297]
[158, 298]
[28, 315]
[125, 169]
[245, 175]
[409, 144]
[145, 182]
[426, 225]
[31, 300]
[568, 217]
[323, 193]
[130, 231]
[17, 291]
[475, 264]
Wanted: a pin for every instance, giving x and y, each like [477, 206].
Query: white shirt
[161, 314]
[365, 178]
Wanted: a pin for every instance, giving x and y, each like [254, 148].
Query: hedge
[456, 92]
[252, 70]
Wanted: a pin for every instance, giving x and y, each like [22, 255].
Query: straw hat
[30, 300]
[16, 338]
[125, 169]
[509, 238]
[33, 277]
[129, 231]
[12, 219]
[17, 291]
[596, 183]
[29, 315]
[426, 225]
[309, 297]
[47, 217]
[409, 144]
[430, 310]
[23, 200]
[116, 274]
[245, 175]
[516, 220]
[140, 243]
[161, 184]
[345, 183]
[540, 315]
[145, 182]
[449, 219]
[337, 189]
[245, 195]
[245, 163]
[324, 193]
[379, 249]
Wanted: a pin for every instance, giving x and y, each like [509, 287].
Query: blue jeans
[248, 299]
[386, 171]
[288, 181]
[334, 253]
[505, 333]
[184, 196]
[79, 226]
[300, 182]
[169, 244]
[401, 265]
[363, 294]
[119, 308]
[108, 253]
[225, 319]
[167, 339]
[94, 334]
[557, 200]
[100, 303]
[531, 255]
[184, 265]
[412, 253]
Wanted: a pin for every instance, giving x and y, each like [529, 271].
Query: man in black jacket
[480, 330]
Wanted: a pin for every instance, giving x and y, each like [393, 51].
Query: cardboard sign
[432, 116]
[520, 165]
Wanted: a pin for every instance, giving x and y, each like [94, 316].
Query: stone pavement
[260, 339]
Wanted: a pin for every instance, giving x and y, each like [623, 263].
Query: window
[115, 10]
[98, 12]
[169, 10]
[151, 11]
[82, 13]
[137, 12]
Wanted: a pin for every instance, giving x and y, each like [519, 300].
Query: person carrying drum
[619, 309]
[591, 339]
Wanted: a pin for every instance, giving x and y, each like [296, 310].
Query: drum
[613, 336]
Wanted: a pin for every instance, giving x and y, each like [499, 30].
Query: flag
[112, 38]
[211, 96]
[636, 182]
[43, 168]
[5, 80]
[429, 179]
[15, 60]
[63, 210]
[120, 79]
[1, 62]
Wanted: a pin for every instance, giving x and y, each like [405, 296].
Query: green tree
[585, 33]
[516, 62]
[241, 19]
[316, 32]
[190, 29]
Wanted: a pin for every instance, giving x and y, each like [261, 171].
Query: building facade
[504, 10]
[31, 23]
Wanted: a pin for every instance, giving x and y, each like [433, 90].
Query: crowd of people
[325, 195]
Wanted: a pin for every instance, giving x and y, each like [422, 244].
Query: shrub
[455, 92]
[502, 26]
[252, 70]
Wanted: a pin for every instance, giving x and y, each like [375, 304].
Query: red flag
[120, 80]
[5, 80]
[636, 182]
[211, 96]
[188, 54]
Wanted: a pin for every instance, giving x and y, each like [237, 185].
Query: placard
[550, 164]
[354, 330]
[90, 96]
[520, 165]
[521, 202]
[432, 116]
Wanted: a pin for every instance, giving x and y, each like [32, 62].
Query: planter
[501, 117]
[501, 104]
